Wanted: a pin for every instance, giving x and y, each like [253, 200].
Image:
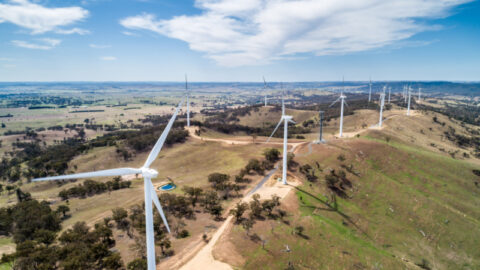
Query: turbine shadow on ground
[332, 209]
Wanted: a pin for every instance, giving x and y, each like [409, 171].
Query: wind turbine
[370, 93]
[286, 119]
[405, 94]
[283, 99]
[409, 98]
[265, 90]
[342, 101]
[188, 103]
[419, 93]
[389, 92]
[320, 137]
[149, 190]
[382, 103]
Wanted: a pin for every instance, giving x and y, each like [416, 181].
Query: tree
[255, 206]
[3, 125]
[63, 209]
[137, 264]
[216, 211]
[218, 180]
[290, 162]
[45, 236]
[113, 262]
[212, 204]
[193, 193]
[255, 165]
[81, 133]
[238, 211]
[164, 244]
[272, 155]
[120, 216]
[247, 224]
[299, 230]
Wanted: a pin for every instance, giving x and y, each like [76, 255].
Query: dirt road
[204, 258]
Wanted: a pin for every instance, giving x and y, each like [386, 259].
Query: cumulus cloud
[40, 19]
[41, 44]
[249, 32]
[108, 58]
[99, 46]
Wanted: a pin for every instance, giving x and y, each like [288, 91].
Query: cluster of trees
[133, 223]
[258, 210]
[45, 160]
[33, 100]
[147, 137]
[33, 226]
[463, 141]
[225, 121]
[309, 172]
[338, 182]
[464, 113]
[91, 187]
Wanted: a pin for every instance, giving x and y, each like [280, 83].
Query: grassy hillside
[408, 207]
[271, 115]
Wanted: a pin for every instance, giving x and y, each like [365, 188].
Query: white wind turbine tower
[405, 94]
[342, 102]
[389, 92]
[382, 103]
[409, 89]
[265, 90]
[283, 99]
[419, 93]
[149, 190]
[188, 103]
[286, 119]
[370, 93]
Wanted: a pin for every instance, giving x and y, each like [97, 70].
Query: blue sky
[225, 40]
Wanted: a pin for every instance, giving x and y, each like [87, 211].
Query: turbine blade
[264, 83]
[275, 129]
[333, 103]
[112, 172]
[159, 144]
[157, 204]
[344, 101]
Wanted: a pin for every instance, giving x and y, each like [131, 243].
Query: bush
[255, 165]
[183, 234]
[272, 155]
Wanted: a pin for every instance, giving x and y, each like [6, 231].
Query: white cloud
[38, 18]
[99, 46]
[127, 33]
[108, 58]
[249, 32]
[79, 31]
[41, 44]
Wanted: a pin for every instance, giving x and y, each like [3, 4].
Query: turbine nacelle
[287, 118]
[149, 173]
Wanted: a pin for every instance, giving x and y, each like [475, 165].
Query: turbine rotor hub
[149, 173]
[287, 117]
